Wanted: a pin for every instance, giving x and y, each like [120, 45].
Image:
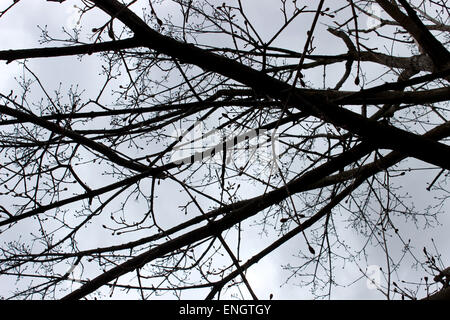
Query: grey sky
[18, 29]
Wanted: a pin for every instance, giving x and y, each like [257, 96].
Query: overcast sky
[18, 29]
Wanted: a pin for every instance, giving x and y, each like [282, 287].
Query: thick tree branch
[11, 55]
[437, 52]
[443, 294]
[384, 135]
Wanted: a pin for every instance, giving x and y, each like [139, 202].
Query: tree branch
[11, 55]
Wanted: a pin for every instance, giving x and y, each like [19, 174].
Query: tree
[265, 138]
